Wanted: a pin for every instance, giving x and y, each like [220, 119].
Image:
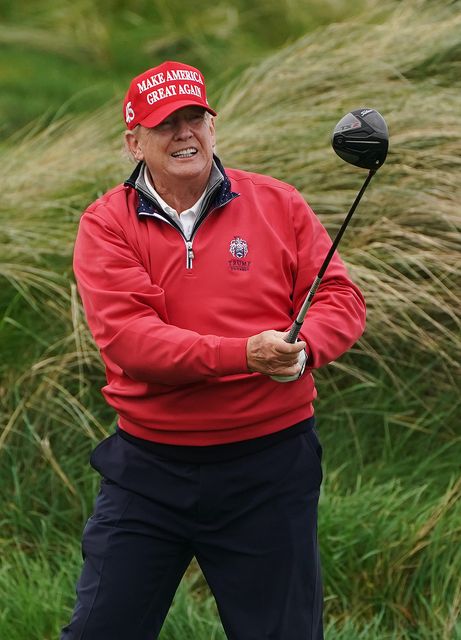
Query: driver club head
[362, 139]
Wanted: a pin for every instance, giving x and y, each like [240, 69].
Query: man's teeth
[184, 153]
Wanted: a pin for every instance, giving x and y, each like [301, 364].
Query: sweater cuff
[233, 356]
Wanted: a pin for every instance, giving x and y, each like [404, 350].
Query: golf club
[362, 139]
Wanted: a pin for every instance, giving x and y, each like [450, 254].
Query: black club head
[362, 139]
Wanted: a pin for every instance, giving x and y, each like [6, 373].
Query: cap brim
[153, 119]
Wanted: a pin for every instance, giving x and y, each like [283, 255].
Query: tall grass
[390, 518]
[403, 247]
[90, 50]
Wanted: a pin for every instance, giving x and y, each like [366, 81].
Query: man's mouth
[185, 153]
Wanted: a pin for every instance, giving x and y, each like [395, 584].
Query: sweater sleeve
[127, 314]
[336, 317]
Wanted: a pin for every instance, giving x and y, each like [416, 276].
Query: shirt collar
[195, 208]
[219, 191]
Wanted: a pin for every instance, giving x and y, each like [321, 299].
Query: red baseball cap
[157, 92]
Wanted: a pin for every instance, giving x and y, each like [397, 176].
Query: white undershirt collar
[186, 218]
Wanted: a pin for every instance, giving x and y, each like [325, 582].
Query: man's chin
[190, 167]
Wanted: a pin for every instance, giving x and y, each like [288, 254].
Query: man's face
[179, 148]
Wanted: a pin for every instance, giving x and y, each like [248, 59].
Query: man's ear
[133, 145]
[213, 132]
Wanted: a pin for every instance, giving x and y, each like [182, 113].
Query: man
[190, 276]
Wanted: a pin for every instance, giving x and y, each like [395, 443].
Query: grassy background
[73, 56]
[282, 74]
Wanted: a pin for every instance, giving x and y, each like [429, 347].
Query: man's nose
[183, 130]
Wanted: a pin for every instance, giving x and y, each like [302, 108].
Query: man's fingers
[287, 347]
[298, 370]
[278, 339]
[268, 353]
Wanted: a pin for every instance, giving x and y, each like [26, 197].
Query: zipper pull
[190, 255]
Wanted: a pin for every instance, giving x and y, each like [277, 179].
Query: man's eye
[165, 124]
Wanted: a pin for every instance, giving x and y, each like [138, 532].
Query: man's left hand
[302, 359]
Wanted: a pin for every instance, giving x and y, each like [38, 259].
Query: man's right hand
[268, 353]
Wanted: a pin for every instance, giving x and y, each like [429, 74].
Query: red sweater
[173, 333]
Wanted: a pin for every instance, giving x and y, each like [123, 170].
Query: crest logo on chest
[239, 249]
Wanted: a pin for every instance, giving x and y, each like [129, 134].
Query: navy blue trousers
[250, 522]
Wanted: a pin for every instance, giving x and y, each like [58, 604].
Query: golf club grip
[298, 323]
[294, 331]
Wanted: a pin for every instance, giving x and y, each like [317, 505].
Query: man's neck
[182, 197]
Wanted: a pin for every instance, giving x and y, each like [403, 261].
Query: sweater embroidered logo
[239, 249]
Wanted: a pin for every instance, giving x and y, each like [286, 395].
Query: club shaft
[297, 324]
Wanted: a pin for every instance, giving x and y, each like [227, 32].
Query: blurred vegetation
[389, 412]
[74, 56]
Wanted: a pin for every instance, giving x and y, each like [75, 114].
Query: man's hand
[302, 359]
[268, 353]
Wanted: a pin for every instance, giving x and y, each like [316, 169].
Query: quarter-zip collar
[218, 193]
